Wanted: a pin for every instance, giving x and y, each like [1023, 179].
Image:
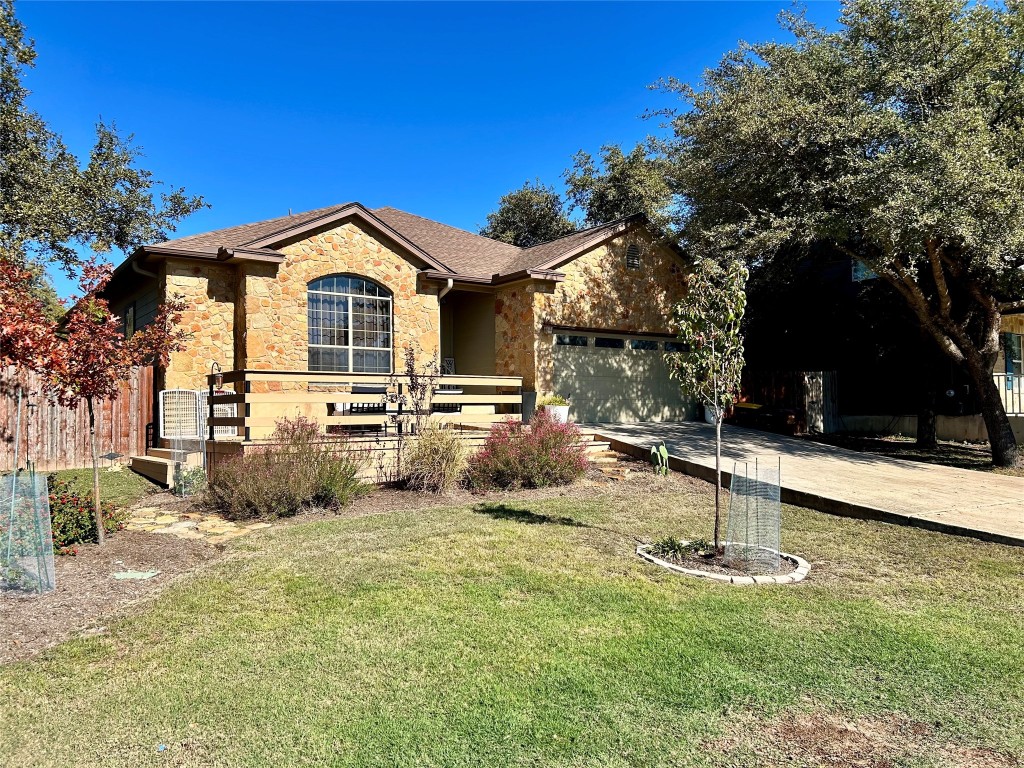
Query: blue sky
[434, 108]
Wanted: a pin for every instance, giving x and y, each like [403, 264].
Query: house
[881, 368]
[345, 289]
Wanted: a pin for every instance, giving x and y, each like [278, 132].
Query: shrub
[678, 549]
[436, 461]
[544, 453]
[552, 400]
[299, 468]
[71, 517]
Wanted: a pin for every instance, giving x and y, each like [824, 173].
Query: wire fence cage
[26, 540]
[753, 530]
[183, 414]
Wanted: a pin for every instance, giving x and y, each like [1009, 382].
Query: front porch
[242, 408]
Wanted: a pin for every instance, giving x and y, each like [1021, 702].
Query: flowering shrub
[71, 517]
[299, 468]
[544, 453]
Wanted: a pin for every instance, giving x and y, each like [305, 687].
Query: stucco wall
[472, 333]
[208, 290]
[598, 292]
[275, 301]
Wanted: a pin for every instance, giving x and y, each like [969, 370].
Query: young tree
[620, 185]
[709, 320]
[528, 216]
[92, 357]
[896, 139]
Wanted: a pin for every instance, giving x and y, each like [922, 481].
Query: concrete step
[157, 469]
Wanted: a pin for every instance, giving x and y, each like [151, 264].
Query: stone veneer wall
[598, 292]
[209, 293]
[275, 300]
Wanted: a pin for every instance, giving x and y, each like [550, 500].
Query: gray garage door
[616, 378]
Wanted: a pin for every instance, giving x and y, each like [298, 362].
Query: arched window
[349, 325]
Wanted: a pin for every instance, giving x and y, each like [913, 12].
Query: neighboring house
[831, 315]
[346, 289]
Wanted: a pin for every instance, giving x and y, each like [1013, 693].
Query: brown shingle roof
[243, 234]
[465, 253]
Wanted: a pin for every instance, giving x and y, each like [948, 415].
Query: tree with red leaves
[92, 355]
[27, 335]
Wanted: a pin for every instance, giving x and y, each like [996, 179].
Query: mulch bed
[717, 565]
[87, 592]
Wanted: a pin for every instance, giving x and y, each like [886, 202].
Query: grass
[123, 488]
[529, 634]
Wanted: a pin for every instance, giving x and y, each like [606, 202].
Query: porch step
[157, 469]
[191, 459]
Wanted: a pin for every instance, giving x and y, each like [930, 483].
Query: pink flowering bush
[516, 456]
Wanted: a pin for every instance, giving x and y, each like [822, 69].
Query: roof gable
[443, 248]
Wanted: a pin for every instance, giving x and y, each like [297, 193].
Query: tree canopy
[528, 216]
[51, 204]
[896, 139]
[619, 185]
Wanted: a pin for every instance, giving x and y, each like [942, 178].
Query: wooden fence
[58, 438]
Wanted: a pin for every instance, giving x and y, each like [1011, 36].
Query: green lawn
[124, 488]
[529, 634]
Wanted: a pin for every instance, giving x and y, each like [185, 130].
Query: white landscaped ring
[802, 568]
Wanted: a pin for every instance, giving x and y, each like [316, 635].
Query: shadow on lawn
[505, 512]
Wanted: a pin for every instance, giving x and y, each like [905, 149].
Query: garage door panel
[607, 384]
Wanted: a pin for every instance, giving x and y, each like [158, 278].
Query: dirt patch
[817, 740]
[87, 594]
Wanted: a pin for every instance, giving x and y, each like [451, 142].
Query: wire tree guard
[755, 511]
[26, 542]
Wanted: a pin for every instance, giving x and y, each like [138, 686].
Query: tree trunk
[96, 506]
[926, 437]
[718, 481]
[1005, 452]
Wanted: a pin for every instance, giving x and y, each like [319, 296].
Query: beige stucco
[598, 292]
[467, 324]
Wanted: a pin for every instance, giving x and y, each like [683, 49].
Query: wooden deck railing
[375, 402]
[1011, 390]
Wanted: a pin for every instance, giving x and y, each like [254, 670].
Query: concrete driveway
[843, 482]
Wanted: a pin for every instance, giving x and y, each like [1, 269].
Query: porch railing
[1011, 390]
[376, 402]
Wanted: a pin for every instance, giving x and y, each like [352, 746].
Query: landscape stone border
[802, 568]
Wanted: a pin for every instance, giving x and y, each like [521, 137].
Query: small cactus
[659, 460]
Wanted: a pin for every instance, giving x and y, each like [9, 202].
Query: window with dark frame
[633, 256]
[1013, 353]
[606, 342]
[646, 344]
[676, 346]
[129, 320]
[564, 340]
[349, 325]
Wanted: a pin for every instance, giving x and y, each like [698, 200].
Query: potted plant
[557, 406]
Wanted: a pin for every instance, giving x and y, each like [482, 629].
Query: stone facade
[266, 328]
[208, 290]
[598, 292]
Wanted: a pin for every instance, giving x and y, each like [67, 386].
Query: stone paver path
[844, 482]
[214, 529]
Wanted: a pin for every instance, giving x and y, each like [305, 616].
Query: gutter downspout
[141, 271]
[445, 290]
